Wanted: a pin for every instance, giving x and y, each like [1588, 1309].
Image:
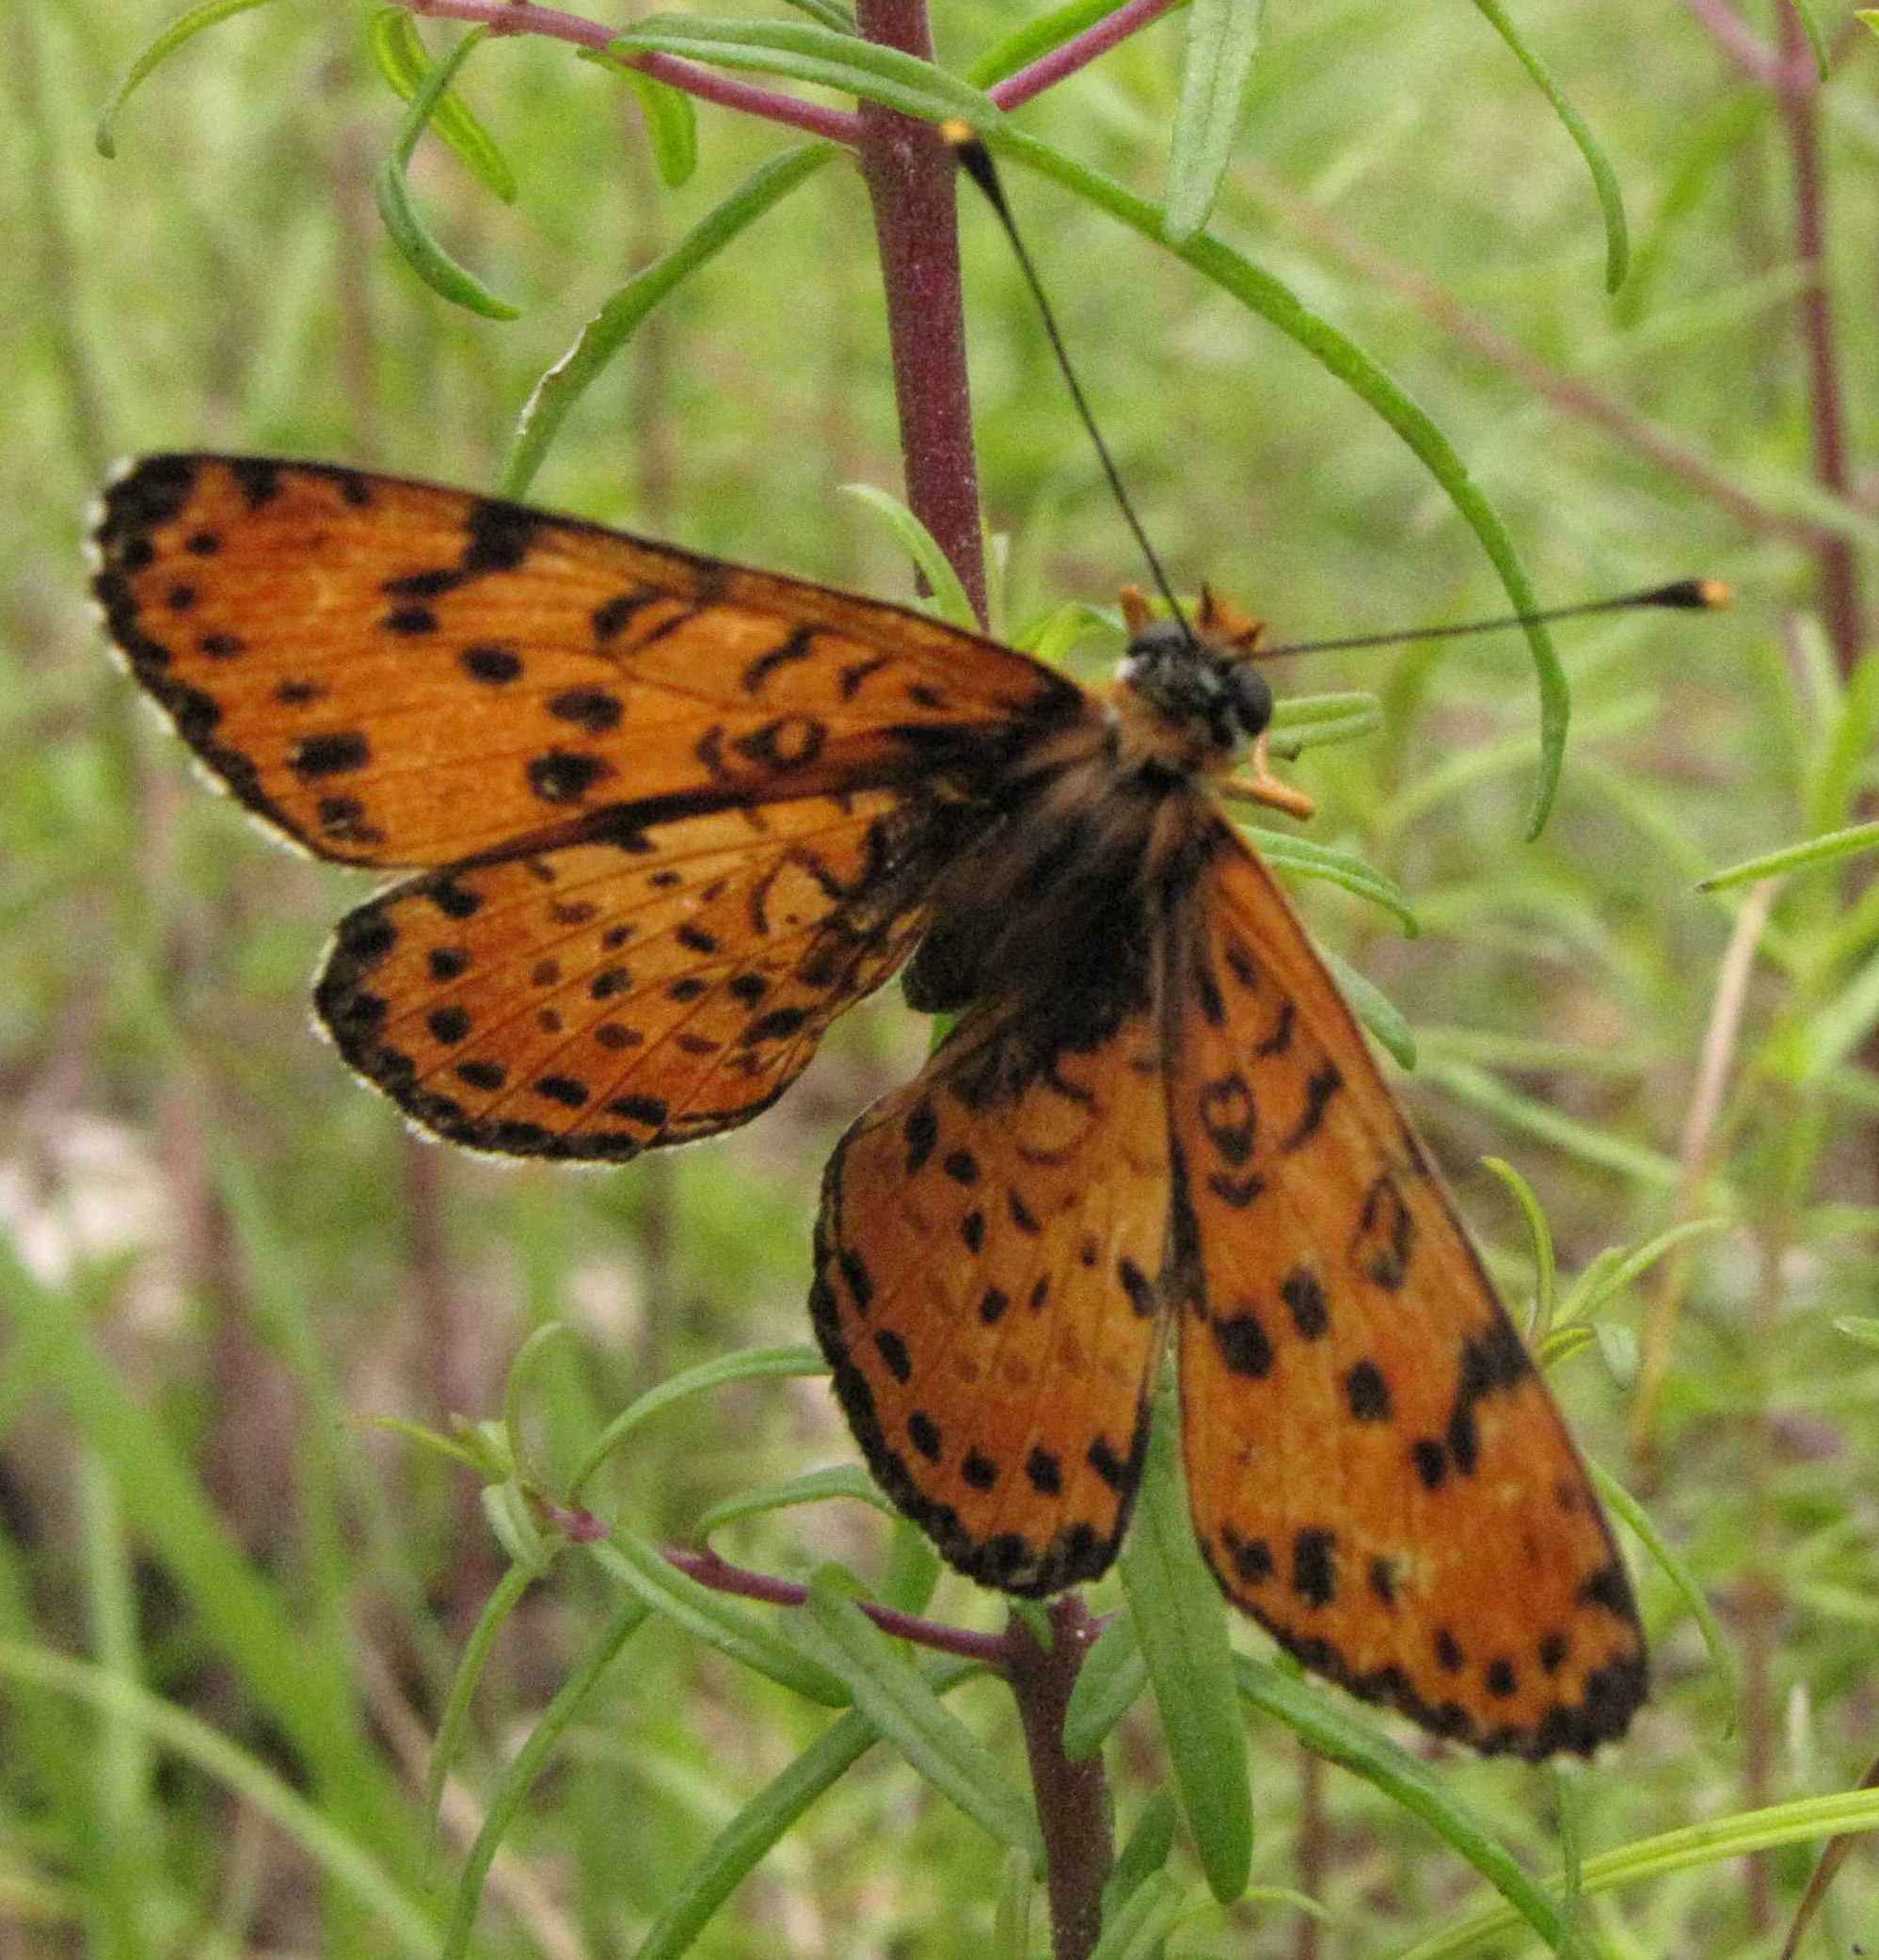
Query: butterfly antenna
[976, 161]
[1690, 594]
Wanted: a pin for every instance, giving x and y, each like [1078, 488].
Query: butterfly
[668, 816]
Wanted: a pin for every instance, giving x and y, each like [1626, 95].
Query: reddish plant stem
[1079, 52]
[1798, 95]
[908, 171]
[721, 1576]
[1073, 1798]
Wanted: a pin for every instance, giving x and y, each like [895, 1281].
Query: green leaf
[913, 1567]
[453, 1724]
[1216, 73]
[948, 594]
[1317, 721]
[826, 57]
[1038, 37]
[1673, 1567]
[1612, 1271]
[1180, 1619]
[1345, 1738]
[1146, 1852]
[1827, 850]
[619, 318]
[1285, 851]
[671, 127]
[899, 1699]
[1482, 1090]
[1263, 294]
[748, 1364]
[1863, 1328]
[766, 1819]
[391, 35]
[528, 1763]
[1107, 1685]
[1373, 1006]
[1604, 178]
[1011, 1915]
[421, 251]
[710, 1616]
[1539, 1235]
[812, 1487]
[1143, 1921]
[831, 13]
[186, 28]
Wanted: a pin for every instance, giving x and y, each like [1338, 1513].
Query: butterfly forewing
[987, 1258]
[1378, 1473]
[391, 673]
[600, 997]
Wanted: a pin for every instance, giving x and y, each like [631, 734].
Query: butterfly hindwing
[1378, 1474]
[987, 1262]
[393, 672]
[605, 995]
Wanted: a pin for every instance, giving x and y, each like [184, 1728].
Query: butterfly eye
[1251, 697]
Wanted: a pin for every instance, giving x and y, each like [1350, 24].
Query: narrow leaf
[425, 256]
[1373, 1006]
[1107, 1685]
[391, 35]
[1286, 851]
[1826, 850]
[1147, 1851]
[801, 51]
[671, 127]
[185, 29]
[616, 322]
[899, 1699]
[1216, 73]
[1604, 178]
[528, 1763]
[1260, 293]
[453, 1724]
[748, 1364]
[1180, 1619]
[1038, 37]
[765, 1821]
[710, 1616]
[1142, 1922]
[1342, 1736]
[1673, 1567]
[831, 13]
[812, 1487]
[1539, 1235]
[949, 595]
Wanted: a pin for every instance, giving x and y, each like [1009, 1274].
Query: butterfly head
[1200, 678]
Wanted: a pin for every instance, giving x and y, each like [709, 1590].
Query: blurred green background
[220, 1259]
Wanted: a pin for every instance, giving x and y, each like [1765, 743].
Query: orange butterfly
[671, 816]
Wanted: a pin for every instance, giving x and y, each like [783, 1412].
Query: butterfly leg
[1258, 784]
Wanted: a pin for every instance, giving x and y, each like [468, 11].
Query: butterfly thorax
[1100, 830]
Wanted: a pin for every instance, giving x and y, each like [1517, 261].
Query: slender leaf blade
[899, 1701]
[1180, 1619]
[563, 384]
[1222, 44]
[185, 29]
